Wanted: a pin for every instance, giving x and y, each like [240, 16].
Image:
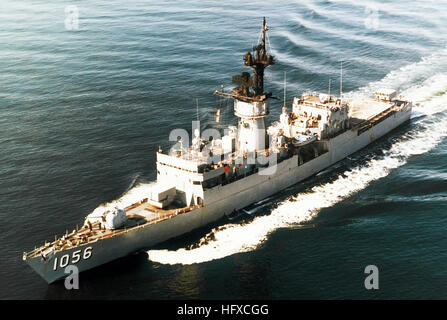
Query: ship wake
[428, 130]
[131, 196]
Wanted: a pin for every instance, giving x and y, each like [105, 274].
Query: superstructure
[215, 175]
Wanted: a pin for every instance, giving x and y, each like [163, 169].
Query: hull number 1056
[75, 257]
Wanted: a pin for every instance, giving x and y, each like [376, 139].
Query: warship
[215, 175]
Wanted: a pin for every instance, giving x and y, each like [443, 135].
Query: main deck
[139, 215]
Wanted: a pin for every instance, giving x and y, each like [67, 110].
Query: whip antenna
[329, 93]
[197, 109]
[341, 79]
[285, 87]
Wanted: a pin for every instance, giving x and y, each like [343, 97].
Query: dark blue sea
[85, 103]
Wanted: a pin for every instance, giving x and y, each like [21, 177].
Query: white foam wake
[132, 196]
[236, 238]
[405, 78]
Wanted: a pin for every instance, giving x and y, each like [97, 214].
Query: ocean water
[84, 108]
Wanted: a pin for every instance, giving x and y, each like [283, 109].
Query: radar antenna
[258, 59]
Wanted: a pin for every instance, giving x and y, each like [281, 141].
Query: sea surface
[85, 103]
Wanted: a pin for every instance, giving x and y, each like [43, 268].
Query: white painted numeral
[76, 256]
[64, 261]
[87, 253]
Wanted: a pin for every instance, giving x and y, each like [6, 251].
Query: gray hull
[222, 200]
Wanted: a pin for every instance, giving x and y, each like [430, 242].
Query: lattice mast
[250, 104]
[252, 88]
